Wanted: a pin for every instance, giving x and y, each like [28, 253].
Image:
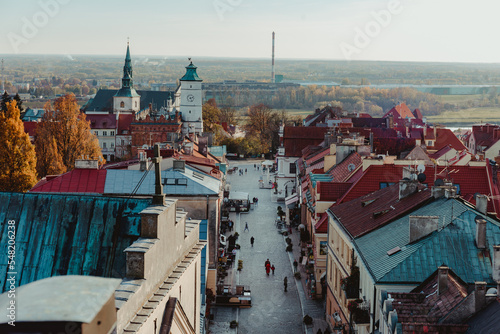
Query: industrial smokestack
[273, 80]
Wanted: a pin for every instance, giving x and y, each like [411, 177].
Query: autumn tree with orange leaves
[63, 136]
[17, 154]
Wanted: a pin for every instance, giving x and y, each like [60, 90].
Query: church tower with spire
[191, 101]
[126, 100]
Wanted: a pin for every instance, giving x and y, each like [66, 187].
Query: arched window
[122, 104]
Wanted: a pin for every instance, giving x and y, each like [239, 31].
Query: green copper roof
[127, 89]
[127, 71]
[453, 244]
[126, 92]
[191, 74]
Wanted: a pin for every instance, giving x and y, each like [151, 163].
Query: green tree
[68, 127]
[17, 154]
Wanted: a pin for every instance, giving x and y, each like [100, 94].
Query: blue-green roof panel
[67, 234]
[453, 245]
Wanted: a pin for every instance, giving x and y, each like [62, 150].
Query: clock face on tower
[190, 98]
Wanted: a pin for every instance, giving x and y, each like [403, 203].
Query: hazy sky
[414, 30]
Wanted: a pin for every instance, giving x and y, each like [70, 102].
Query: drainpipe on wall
[374, 307]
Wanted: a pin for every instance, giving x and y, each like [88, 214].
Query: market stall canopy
[267, 163]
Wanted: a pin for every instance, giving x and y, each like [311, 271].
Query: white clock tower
[191, 101]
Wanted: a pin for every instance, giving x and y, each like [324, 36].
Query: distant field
[299, 112]
[458, 98]
[467, 116]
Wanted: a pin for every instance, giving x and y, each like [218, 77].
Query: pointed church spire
[127, 70]
[127, 88]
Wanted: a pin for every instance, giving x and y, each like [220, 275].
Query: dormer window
[122, 104]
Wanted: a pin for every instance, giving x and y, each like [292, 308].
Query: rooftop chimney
[143, 164]
[442, 279]
[495, 267]
[406, 188]
[479, 295]
[86, 164]
[159, 196]
[480, 233]
[179, 165]
[450, 191]
[481, 203]
[421, 226]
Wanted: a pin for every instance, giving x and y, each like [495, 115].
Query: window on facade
[292, 168]
[122, 104]
[136, 104]
[112, 133]
[105, 133]
[429, 143]
[385, 184]
[103, 145]
[112, 145]
[96, 133]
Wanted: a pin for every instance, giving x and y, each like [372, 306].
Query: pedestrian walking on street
[295, 264]
[268, 268]
[246, 227]
[252, 240]
[245, 170]
[285, 283]
[267, 263]
[272, 268]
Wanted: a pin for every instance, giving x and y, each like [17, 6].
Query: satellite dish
[438, 182]
[421, 177]
[421, 168]
[351, 167]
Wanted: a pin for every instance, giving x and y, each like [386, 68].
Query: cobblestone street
[273, 310]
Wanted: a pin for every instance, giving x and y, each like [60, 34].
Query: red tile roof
[317, 156]
[124, 121]
[426, 307]
[322, 225]
[429, 133]
[97, 121]
[472, 180]
[440, 152]
[393, 146]
[345, 169]
[331, 191]
[89, 181]
[400, 111]
[418, 114]
[317, 168]
[30, 128]
[445, 137]
[296, 138]
[369, 212]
